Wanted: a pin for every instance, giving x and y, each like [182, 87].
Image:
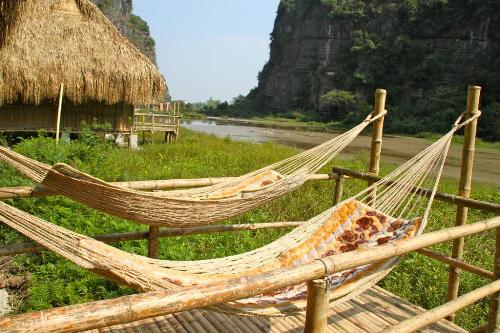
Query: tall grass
[57, 282]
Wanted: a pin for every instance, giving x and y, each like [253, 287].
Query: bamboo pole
[24, 248]
[153, 241]
[339, 189]
[132, 308]
[317, 306]
[473, 96]
[378, 129]
[457, 263]
[144, 185]
[59, 111]
[428, 317]
[494, 313]
[445, 197]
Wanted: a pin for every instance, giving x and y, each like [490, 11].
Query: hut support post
[473, 96]
[339, 189]
[378, 129]
[153, 241]
[494, 314]
[317, 307]
[59, 111]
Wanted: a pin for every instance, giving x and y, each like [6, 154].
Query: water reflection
[244, 132]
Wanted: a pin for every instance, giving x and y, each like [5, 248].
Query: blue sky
[209, 48]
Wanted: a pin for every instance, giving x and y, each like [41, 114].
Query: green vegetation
[424, 52]
[57, 282]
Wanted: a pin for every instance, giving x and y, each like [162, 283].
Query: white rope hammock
[392, 209]
[185, 208]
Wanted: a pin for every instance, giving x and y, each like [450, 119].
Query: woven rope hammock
[185, 208]
[392, 209]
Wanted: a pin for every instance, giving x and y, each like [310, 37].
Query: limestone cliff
[130, 25]
[424, 52]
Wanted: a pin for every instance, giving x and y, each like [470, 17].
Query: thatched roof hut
[44, 43]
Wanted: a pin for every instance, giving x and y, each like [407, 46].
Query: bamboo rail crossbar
[458, 263]
[431, 316]
[28, 247]
[445, 197]
[141, 185]
[132, 308]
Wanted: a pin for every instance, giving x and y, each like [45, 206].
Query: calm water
[243, 132]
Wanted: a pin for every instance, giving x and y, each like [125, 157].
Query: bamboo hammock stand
[141, 306]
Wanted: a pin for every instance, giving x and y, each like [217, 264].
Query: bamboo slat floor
[373, 311]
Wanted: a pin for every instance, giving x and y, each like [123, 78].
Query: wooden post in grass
[59, 111]
[153, 241]
[378, 130]
[317, 306]
[494, 314]
[473, 96]
[339, 188]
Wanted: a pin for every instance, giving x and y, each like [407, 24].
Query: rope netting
[186, 208]
[393, 209]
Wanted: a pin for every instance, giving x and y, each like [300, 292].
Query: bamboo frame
[458, 263]
[24, 248]
[426, 318]
[338, 191]
[153, 241]
[445, 197]
[144, 185]
[473, 97]
[378, 129]
[494, 313]
[317, 306]
[136, 307]
[59, 111]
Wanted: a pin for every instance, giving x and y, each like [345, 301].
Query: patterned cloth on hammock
[354, 226]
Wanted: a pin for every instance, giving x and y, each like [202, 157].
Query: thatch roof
[44, 43]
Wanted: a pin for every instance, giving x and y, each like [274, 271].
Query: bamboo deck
[373, 311]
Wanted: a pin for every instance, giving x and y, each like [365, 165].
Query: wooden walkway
[373, 311]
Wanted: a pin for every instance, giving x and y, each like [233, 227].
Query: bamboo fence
[132, 308]
[135, 307]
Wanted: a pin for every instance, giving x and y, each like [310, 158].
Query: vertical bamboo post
[339, 188]
[473, 96]
[153, 241]
[377, 134]
[317, 307]
[378, 129]
[59, 111]
[494, 314]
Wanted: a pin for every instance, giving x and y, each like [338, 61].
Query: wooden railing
[141, 306]
[135, 307]
[156, 122]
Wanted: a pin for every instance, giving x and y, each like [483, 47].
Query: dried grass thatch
[44, 43]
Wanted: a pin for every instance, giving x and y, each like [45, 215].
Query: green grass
[57, 282]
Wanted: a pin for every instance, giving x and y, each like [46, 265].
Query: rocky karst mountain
[424, 52]
[132, 26]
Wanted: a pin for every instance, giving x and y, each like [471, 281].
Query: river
[395, 149]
